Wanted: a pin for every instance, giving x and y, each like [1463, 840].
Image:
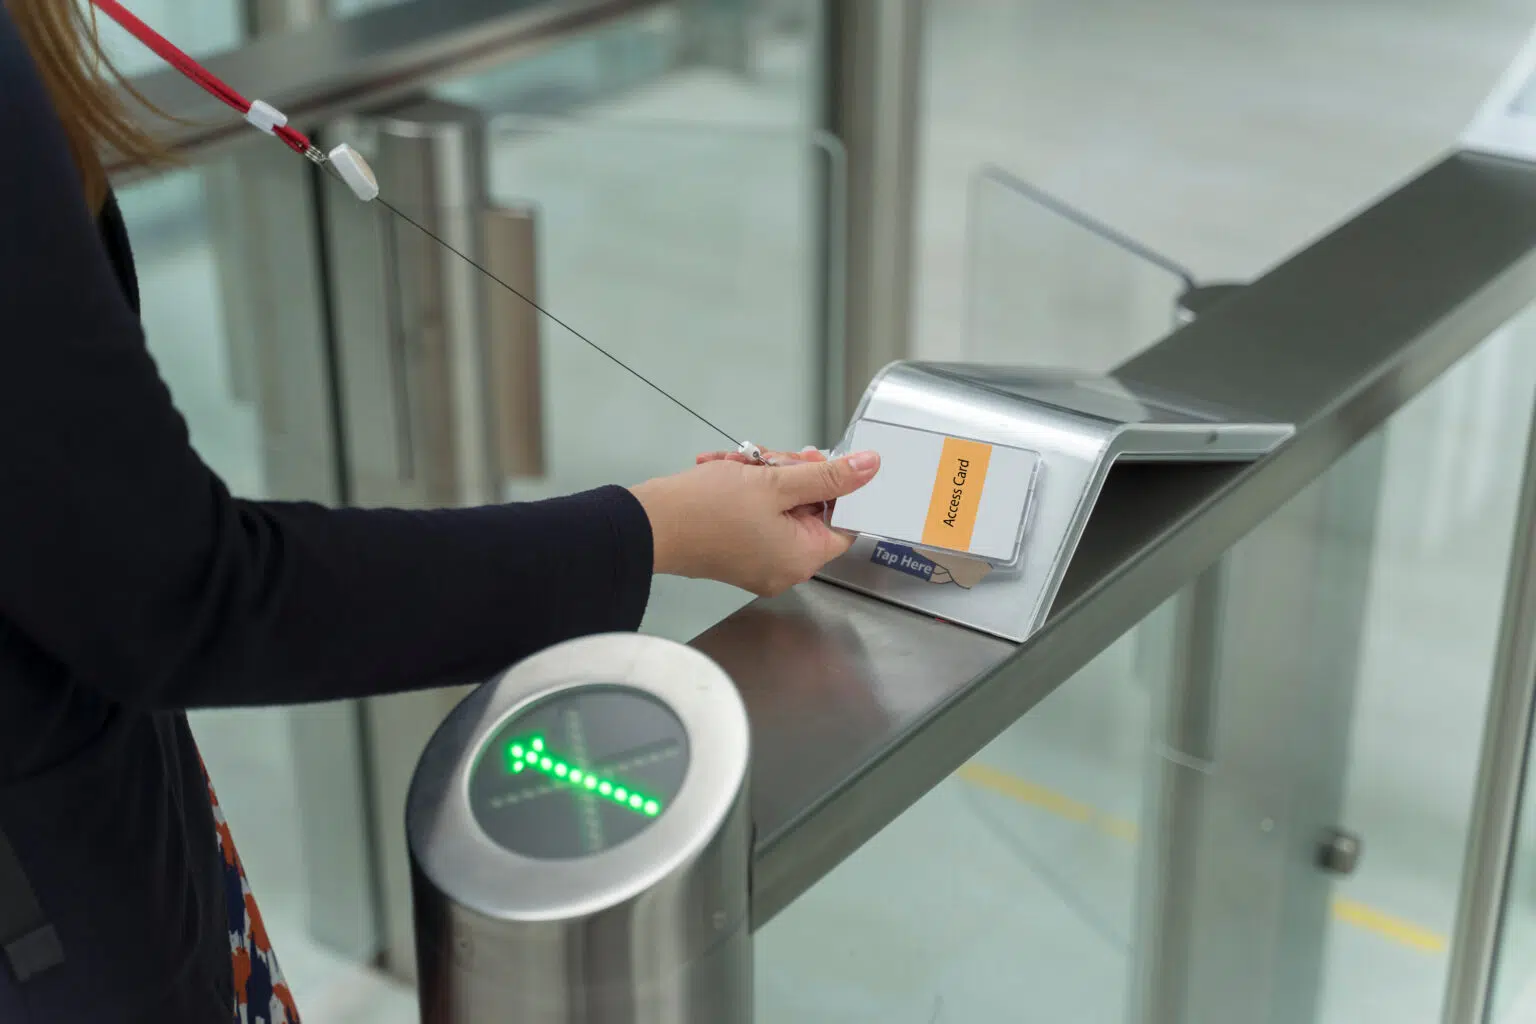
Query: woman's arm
[124, 557]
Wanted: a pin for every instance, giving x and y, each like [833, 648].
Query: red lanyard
[263, 115]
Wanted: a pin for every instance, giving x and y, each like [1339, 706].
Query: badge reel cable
[346, 164]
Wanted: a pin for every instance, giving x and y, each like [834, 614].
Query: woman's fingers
[815, 482]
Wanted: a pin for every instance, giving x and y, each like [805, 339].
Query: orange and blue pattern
[261, 994]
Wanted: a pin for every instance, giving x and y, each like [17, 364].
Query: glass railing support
[874, 76]
[1491, 839]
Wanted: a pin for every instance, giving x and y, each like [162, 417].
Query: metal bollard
[580, 843]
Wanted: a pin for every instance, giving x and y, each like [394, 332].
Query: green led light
[537, 758]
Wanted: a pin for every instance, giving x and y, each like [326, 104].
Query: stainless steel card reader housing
[581, 843]
[1081, 426]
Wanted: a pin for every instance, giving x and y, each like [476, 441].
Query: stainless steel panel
[412, 317]
[513, 328]
[1316, 342]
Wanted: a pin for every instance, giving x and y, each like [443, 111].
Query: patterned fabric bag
[261, 994]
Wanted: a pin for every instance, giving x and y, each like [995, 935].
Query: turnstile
[581, 844]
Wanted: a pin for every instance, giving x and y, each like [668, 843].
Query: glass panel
[1008, 893]
[1451, 483]
[694, 256]
[184, 319]
[1046, 283]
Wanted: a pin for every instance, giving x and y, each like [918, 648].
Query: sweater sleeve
[126, 559]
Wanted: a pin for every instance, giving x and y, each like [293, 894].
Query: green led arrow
[531, 755]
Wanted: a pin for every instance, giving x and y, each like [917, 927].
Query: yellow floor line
[1358, 915]
[1387, 926]
[1062, 806]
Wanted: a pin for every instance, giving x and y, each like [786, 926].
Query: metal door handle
[1338, 852]
[512, 341]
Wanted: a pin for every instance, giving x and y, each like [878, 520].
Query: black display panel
[579, 772]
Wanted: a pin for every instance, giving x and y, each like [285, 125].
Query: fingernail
[864, 462]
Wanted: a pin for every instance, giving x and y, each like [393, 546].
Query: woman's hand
[755, 527]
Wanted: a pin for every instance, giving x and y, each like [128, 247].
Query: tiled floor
[1226, 134]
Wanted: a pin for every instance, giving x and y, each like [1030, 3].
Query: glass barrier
[1450, 487]
[1007, 893]
[1096, 847]
[1047, 284]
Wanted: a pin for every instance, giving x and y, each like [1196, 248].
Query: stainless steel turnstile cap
[580, 842]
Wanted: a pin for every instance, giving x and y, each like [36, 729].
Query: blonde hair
[84, 85]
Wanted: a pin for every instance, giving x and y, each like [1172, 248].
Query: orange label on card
[956, 494]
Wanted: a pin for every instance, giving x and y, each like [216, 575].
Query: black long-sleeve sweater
[133, 586]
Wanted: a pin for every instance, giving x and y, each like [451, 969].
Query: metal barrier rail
[341, 66]
[859, 708]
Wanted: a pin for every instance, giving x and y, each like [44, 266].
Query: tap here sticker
[939, 492]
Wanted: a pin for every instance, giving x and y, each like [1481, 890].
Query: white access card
[941, 492]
